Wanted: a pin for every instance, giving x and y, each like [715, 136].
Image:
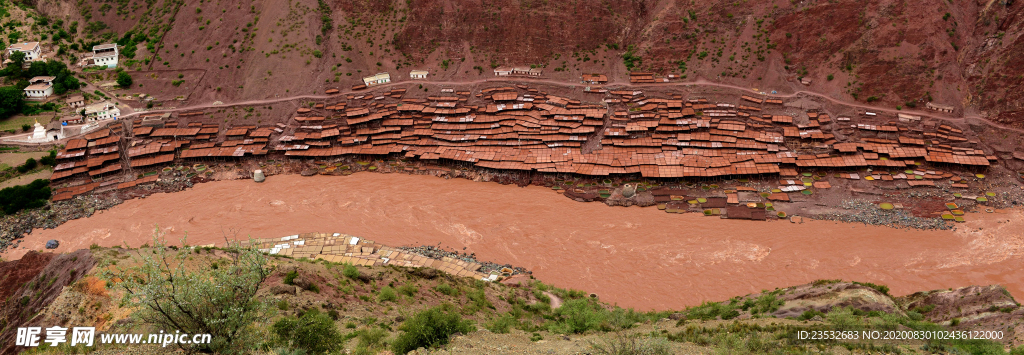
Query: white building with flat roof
[39, 87]
[380, 78]
[418, 74]
[33, 52]
[101, 111]
[105, 55]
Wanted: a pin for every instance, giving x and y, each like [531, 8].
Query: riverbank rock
[628, 191]
[52, 244]
[258, 176]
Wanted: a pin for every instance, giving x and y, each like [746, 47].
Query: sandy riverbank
[636, 257]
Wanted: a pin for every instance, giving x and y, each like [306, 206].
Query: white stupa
[39, 132]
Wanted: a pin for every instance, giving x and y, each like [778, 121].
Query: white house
[101, 111]
[105, 55]
[418, 74]
[502, 71]
[54, 131]
[39, 87]
[33, 51]
[75, 101]
[380, 78]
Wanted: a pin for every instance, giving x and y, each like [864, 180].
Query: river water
[634, 257]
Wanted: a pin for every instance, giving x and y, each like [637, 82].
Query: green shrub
[282, 305]
[26, 127]
[541, 297]
[350, 271]
[408, 290]
[289, 278]
[479, 301]
[766, 303]
[730, 314]
[808, 314]
[914, 316]
[924, 309]
[314, 332]
[168, 291]
[843, 319]
[49, 160]
[880, 288]
[633, 344]
[387, 294]
[577, 316]
[502, 325]
[371, 338]
[124, 79]
[17, 198]
[707, 311]
[446, 289]
[430, 329]
[30, 164]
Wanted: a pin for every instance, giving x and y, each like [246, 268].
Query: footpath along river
[634, 257]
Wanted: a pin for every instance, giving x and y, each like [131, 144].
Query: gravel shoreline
[868, 213]
[434, 252]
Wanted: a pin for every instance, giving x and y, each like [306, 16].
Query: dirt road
[700, 82]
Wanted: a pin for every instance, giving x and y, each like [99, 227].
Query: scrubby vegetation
[368, 310]
[17, 198]
[174, 292]
[430, 329]
[313, 332]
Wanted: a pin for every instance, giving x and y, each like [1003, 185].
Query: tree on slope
[175, 291]
[124, 80]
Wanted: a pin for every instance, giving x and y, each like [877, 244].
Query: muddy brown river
[634, 257]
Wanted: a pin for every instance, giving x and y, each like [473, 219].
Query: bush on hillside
[173, 291]
[350, 272]
[124, 80]
[17, 198]
[430, 329]
[446, 289]
[313, 332]
[387, 294]
[502, 325]
[49, 160]
[578, 316]
[633, 344]
[29, 165]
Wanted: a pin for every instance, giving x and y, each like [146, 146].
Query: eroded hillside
[887, 52]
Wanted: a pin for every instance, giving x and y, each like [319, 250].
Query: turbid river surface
[634, 257]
